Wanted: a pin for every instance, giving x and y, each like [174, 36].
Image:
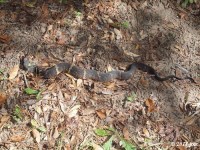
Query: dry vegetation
[69, 113]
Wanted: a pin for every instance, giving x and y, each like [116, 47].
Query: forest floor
[69, 113]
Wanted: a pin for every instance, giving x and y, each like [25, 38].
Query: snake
[81, 73]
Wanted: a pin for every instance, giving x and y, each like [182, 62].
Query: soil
[100, 35]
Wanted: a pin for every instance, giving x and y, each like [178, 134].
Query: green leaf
[125, 24]
[126, 145]
[77, 13]
[31, 91]
[102, 132]
[17, 114]
[41, 129]
[31, 4]
[1, 71]
[111, 129]
[191, 1]
[185, 3]
[107, 145]
[3, 1]
[38, 97]
[34, 123]
[132, 97]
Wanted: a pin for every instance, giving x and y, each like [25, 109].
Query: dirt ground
[100, 35]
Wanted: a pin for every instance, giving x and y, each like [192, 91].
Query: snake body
[78, 72]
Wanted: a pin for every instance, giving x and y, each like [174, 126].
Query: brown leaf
[3, 97]
[181, 147]
[45, 12]
[3, 120]
[183, 15]
[56, 133]
[101, 113]
[79, 82]
[144, 82]
[151, 105]
[13, 72]
[5, 38]
[51, 86]
[17, 138]
[73, 111]
[110, 85]
[96, 147]
[146, 132]
[36, 135]
[61, 41]
[126, 133]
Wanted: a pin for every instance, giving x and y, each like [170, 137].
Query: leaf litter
[65, 113]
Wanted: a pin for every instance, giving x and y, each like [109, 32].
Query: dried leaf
[181, 147]
[56, 133]
[151, 105]
[51, 86]
[118, 34]
[17, 138]
[36, 135]
[110, 85]
[3, 97]
[131, 54]
[126, 133]
[146, 132]
[79, 82]
[101, 113]
[34, 123]
[5, 38]
[107, 92]
[109, 67]
[144, 82]
[96, 147]
[3, 120]
[73, 111]
[13, 72]
[45, 12]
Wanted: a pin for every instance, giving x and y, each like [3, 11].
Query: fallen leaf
[107, 92]
[5, 38]
[73, 111]
[146, 132]
[151, 105]
[109, 67]
[3, 120]
[181, 147]
[36, 135]
[144, 82]
[131, 54]
[96, 147]
[118, 34]
[183, 15]
[126, 133]
[45, 12]
[17, 138]
[110, 85]
[56, 133]
[13, 72]
[51, 86]
[101, 113]
[88, 111]
[79, 82]
[3, 97]
[34, 123]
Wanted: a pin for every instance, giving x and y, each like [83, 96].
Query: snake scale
[78, 72]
